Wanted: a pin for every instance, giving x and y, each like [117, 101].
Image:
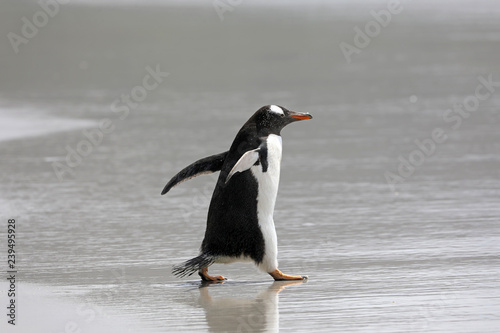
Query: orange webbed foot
[203, 273]
[279, 276]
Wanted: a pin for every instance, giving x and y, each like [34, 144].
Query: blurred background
[389, 197]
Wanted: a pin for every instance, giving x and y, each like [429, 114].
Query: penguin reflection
[259, 314]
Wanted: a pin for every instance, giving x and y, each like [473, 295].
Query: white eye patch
[276, 109]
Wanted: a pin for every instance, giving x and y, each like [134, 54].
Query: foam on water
[26, 122]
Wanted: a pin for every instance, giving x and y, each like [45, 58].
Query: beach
[388, 198]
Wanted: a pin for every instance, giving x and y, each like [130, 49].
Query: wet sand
[95, 245]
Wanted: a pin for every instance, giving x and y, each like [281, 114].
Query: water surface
[99, 241]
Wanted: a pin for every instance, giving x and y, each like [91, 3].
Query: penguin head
[272, 118]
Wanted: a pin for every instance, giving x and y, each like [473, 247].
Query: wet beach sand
[82, 168]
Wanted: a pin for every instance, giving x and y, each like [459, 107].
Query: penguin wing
[206, 165]
[249, 159]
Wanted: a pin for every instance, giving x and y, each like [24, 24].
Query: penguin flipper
[249, 159]
[206, 165]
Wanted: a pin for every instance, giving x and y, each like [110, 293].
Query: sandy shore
[96, 246]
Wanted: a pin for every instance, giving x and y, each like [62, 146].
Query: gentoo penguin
[240, 225]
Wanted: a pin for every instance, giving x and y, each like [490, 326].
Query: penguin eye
[276, 110]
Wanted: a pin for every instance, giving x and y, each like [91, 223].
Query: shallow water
[97, 244]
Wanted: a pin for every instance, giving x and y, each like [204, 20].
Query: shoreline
[22, 123]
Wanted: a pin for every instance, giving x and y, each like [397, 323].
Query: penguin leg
[279, 276]
[203, 273]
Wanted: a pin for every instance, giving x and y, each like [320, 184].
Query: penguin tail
[191, 266]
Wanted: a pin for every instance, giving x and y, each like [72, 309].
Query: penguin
[240, 224]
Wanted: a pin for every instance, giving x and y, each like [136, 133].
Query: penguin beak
[299, 116]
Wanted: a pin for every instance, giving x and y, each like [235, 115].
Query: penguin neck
[265, 132]
[252, 128]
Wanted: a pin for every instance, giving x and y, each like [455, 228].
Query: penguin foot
[203, 273]
[279, 276]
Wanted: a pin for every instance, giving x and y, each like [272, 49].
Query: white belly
[266, 199]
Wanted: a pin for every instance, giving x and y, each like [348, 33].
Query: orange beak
[300, 116]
